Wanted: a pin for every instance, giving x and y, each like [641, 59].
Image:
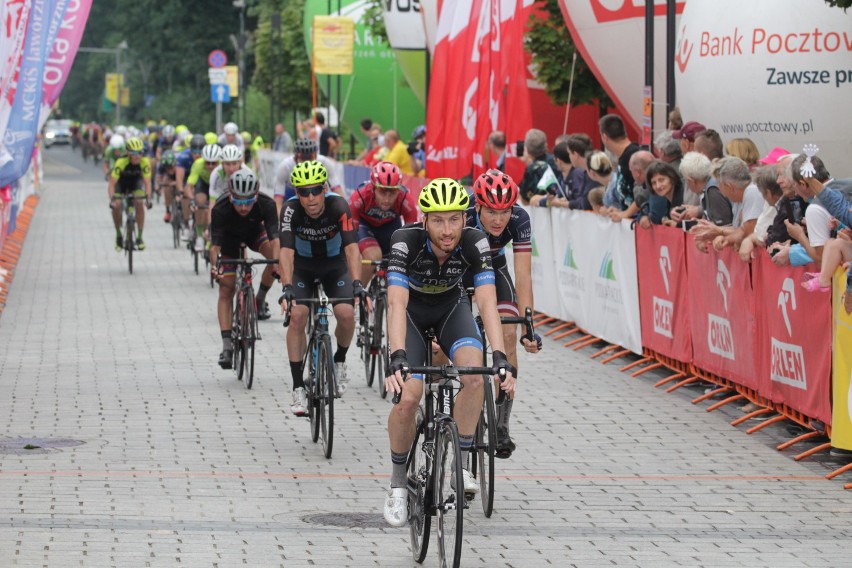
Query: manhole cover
[35, 445]
[348, 520]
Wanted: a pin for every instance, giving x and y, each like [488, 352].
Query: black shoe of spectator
[226, 358]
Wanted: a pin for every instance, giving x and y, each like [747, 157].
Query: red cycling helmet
[495, 190]
[386, 174]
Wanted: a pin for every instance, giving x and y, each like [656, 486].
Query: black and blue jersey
[323, 237]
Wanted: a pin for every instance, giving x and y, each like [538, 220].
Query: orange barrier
[13, 247]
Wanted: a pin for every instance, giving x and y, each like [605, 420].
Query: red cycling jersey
[365, 209]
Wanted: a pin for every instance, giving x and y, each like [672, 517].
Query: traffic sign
[217, 75]
[220, 93]
[217, 58]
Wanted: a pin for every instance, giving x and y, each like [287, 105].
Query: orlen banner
[664, 292]
[722, 314]
[794, 332]
[610, 35]
[407, 36]
[776, 71]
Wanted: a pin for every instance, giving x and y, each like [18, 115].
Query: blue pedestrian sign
[220, 93]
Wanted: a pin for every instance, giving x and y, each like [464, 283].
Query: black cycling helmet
[197, 143]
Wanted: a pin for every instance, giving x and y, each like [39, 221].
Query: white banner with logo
[776, 71]
[543, 267]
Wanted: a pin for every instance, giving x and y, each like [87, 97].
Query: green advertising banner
[377, 88]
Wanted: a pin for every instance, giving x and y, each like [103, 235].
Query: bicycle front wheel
[380, 343]
[237, 337]
[249, 329]
[366, 341]
[449, 493]
[419, 510]
[129, 241]
[176, 221]
[486, 443]
[325, 394]
[312, 390]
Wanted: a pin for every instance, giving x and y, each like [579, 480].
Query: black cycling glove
[398, 362]
[286, 294]
[535, 337]
[358, 290]
[500, 362]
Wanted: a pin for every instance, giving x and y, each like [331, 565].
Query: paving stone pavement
[179, 465]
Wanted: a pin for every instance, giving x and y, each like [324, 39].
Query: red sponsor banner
[664, 292]
[721, 314]
[794, 339]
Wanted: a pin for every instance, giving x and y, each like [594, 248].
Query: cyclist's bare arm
[397, 305]
[523, 287]
[486, 301]
[286, 258]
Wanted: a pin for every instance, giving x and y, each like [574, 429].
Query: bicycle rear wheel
[419, 495]
[485, 443]
[249, 336]
[177, 220]
[449, 493]
[366, 340]
[380, 341]
[237, 333]
[325, 394]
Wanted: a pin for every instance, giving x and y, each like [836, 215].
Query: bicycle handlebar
[309, 301]
[526, 320]
[368, 262]
[450, 371]
[245, 261]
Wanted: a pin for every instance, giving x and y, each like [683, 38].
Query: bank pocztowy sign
[776, 71]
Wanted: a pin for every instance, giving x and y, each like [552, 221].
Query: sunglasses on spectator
[248, 201]
[306, 191]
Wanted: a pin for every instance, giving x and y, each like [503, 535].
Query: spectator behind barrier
[398, 152]
[686, 135]
[639, 162]
[574, 182]
[697, 172]
[496, 145]
[744, 149]
[734, 180]
[818, 220]
[675, 119]
[766, 180]
[667, 193]
[539, 171]
[615, 140]
[709, 143]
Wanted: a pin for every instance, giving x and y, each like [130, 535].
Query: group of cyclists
[439, 245]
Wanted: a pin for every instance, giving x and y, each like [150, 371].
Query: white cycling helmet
[168, 131]
[243, 184]
[230, 128]
[121, 129]
[116, 141]
[232, 153]
[211, 153]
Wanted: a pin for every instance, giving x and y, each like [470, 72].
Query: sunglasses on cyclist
[249, 201]
[134, 153]
[213, 164]
[306, 191]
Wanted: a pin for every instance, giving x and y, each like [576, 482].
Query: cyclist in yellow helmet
[318, 241]
[427, 264]
[130, 174]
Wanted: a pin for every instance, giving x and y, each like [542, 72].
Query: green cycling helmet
[443, 194]
[308, 173]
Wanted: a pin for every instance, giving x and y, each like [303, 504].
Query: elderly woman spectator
[744, 149]
[697, 172]
[766, 179]
[666, 193]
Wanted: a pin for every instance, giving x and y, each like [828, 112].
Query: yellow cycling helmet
[134, 145]
[443, 194]
[180, 128]
[210, 137]
[308, 173]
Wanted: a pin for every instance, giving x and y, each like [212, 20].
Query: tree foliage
[374, 20]
[549, 43]
[839, 4]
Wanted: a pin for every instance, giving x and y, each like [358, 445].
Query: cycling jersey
[413, 265]
[323, 237]
[198, 172]
[518, 232]
[228, 228]
[364, 208]
[129, 176]
[185, 160]
[282, 186]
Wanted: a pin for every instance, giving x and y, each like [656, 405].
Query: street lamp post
[117, 51]
[241, 48]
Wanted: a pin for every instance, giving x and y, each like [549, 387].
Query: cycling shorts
[333, 274]
[135, 186]
[452, 321]
[507, 299]
[202, 187]
[231, 249]
[369, 236]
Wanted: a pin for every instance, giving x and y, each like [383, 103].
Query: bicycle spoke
[449, 494]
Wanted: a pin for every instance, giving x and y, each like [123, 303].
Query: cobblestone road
[159, 458]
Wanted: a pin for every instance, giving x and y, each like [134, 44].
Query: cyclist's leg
[225, 305]
[507, 305]
[303, 278]
[459, 338]
[263, 245]
[201, 199]
[338, 284]
[369, 247]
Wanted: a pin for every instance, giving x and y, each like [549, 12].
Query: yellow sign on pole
[125, 96]
[334, 45]
[112, 81]
[233, 80]
[841, 369]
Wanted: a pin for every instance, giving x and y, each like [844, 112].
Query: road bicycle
[372, 334]
[434, 463]
[128, 208]
[321, 381]
[484, 448]
[244, 332]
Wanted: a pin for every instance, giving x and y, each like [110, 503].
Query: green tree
[374, 19]
[549, 43]
[839, 4]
